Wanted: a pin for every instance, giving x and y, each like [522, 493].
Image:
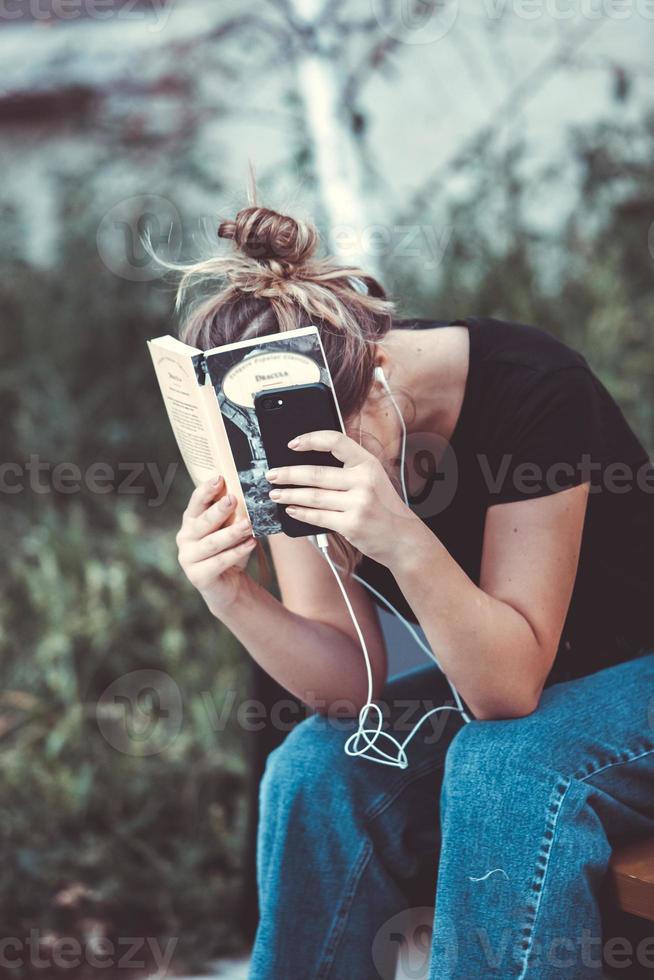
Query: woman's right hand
[214, 557]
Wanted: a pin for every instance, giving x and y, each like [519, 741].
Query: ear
[383, 361]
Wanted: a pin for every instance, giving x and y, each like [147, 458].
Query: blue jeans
[523, 812]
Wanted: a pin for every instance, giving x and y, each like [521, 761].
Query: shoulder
[525, 383]
[530, 386]
[521, 345]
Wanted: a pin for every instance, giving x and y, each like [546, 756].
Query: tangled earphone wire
[370, 736]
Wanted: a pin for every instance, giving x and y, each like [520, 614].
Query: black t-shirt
[536, 420]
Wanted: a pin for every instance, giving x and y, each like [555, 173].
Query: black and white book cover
[237, 373]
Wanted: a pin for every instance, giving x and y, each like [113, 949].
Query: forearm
[314, 661]
[486, 647]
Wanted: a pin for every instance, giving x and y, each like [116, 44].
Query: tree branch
[521, 93]
[378, 53]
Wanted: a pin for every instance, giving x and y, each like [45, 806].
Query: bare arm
[307, 641]
[497, 641]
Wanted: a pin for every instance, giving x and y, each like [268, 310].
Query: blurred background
[493, 159]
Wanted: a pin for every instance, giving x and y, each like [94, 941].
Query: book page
[179, 387]
[221, 450]
[195, 417]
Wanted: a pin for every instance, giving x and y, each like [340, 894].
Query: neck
[431, 366]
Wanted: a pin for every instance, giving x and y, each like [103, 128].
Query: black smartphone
[284, 413]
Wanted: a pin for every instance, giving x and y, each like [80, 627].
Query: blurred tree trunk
[339, 167]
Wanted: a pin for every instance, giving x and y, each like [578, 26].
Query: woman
[525, 555]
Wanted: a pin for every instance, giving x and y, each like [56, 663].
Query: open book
[209, 397]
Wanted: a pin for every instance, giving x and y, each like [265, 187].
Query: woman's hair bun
[264, 234]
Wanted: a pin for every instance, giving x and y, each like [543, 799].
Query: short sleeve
[547, 437]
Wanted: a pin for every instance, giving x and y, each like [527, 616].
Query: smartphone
[284, 413]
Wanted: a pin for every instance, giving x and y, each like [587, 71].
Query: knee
[310, 763]
[490, 760]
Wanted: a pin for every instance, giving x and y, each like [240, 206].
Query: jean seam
[360, 866]
[538, 882]
[387, 798]
[631, 757]
[341, 916]
[542, 865]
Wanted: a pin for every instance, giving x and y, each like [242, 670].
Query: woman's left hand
[357, 500]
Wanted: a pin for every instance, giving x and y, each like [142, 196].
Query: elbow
[513, 699]
[495, 713]
[506, 709]
[339, 709]
[347, 707]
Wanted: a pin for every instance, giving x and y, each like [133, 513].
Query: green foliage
[590, 284]
[99, 838]
[98, 834]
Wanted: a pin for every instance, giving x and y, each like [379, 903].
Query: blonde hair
[272, 281]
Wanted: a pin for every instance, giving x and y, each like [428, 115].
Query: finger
[218, 541]
[211, 519]
[337, 443]
[311, 497]
[202, 496]
[329, 477]
[329, 519]
[204, 573]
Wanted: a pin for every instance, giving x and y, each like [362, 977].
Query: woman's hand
[214, 557]
[358, 500]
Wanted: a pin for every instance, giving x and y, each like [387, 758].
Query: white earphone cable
[381, 377]
[423, 646]
[371, 736]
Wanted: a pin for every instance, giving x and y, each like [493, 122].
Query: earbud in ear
[378, 372]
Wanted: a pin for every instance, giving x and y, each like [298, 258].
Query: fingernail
[275, 494]
[294, 442]
[227, 501]
[217, 481]
[271, 474]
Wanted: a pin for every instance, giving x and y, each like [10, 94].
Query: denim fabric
[520, 816]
